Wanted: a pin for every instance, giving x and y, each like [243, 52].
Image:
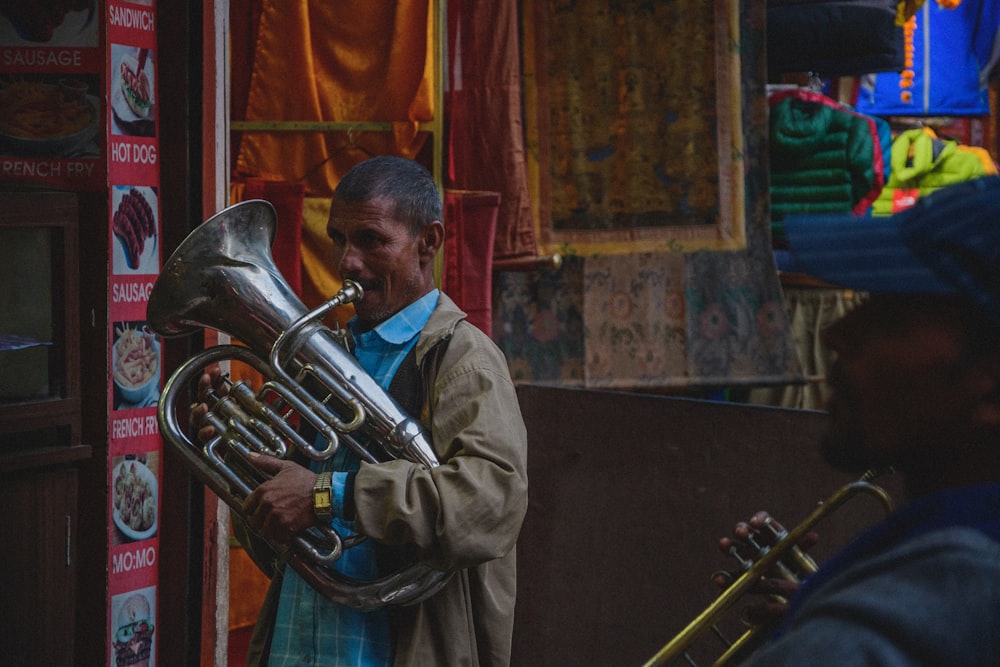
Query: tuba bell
[222, 276]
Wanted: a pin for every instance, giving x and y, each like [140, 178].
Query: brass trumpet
[784, 558]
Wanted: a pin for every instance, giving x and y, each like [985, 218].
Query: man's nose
[349, 260]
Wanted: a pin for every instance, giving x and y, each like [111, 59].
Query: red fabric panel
[483, 112]
[244, 16]
[287, 199]
[470, 221]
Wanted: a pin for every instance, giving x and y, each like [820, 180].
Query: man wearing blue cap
[916, 387]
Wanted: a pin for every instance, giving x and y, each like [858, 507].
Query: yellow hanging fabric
[359, 61]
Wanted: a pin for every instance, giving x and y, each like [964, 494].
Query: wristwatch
[323, 497]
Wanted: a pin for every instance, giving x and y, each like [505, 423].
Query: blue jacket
[920, 588]
[948, 72]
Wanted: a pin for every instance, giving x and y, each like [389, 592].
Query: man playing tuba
[463, 515]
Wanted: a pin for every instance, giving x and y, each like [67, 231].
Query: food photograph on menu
[133, 108]
[135, 356]
[133, 223]
[54, 115]
[48, 22]
[134, 496]
[133, 627]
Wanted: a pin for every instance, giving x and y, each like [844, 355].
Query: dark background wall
[628, 495]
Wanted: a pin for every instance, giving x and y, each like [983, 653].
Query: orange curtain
[373, 61]
[360, 60]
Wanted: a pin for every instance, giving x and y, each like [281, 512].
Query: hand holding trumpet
[750, 540]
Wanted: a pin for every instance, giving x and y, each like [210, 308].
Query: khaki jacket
[463, 515]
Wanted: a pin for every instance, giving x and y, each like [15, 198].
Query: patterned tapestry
[690, 311]
[633, 124]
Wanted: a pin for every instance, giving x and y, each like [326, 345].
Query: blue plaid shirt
[311, 630]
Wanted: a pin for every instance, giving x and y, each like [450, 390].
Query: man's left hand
[283, 505]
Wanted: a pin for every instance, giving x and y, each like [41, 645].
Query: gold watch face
[321, 499]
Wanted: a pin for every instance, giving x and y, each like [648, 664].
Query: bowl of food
[134, 488]
[73, 88]
[41, 119]
[136, 366]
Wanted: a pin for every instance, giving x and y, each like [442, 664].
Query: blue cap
[946, 243]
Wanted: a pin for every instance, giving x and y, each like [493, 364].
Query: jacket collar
[440, 327]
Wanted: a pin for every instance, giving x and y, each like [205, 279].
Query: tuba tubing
[222, 276]
[771, 560]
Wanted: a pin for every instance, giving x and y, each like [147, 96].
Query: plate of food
[45, 119]
[134, 488]
[134, 226]
[132, 100]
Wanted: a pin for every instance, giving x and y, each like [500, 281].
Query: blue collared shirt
[310, 629]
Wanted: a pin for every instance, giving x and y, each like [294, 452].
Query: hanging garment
[834, 37]
[470, 218]
[922, 163]
[485, 139]
[952, 47]
[825, 158]
[336, 61]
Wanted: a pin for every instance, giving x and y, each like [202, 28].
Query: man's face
[370, 247]
[901, 394]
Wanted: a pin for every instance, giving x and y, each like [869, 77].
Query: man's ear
[431, 239]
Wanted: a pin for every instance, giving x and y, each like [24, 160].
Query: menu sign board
[78, 112]
[51, 115]
[134, 384]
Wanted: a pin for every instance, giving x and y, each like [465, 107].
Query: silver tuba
[222, 276]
